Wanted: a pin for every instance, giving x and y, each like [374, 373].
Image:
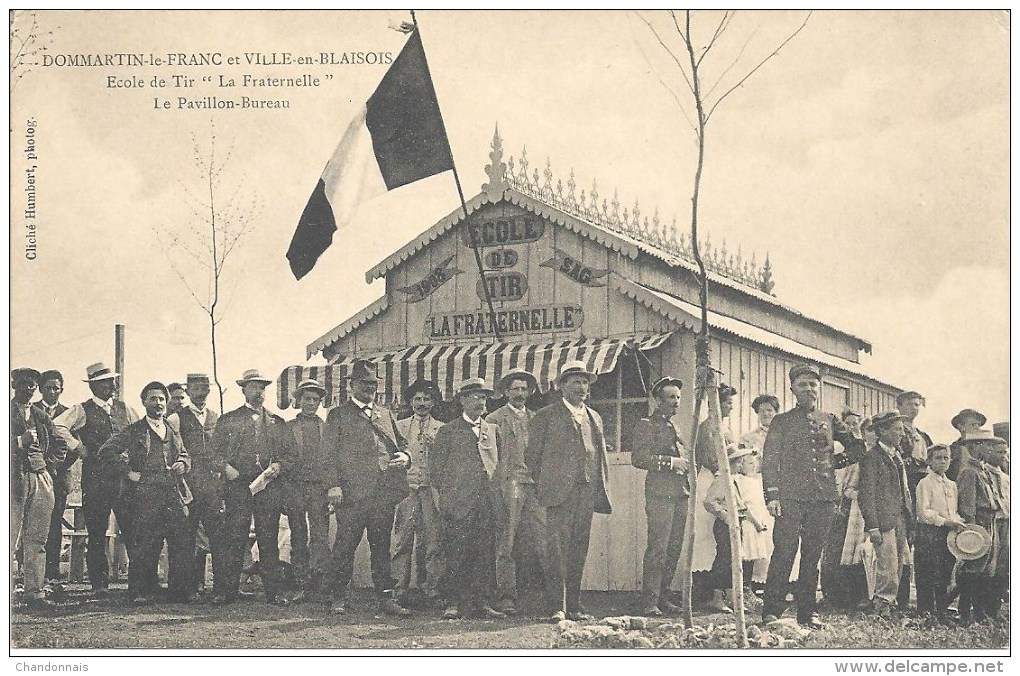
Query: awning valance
[448, 365]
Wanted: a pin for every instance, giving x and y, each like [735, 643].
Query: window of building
[620, 398]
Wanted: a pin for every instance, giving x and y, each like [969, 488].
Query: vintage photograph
[362, 332]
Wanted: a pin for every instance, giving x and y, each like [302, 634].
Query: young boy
[936, 515]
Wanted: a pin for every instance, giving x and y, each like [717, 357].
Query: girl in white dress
[757, 542]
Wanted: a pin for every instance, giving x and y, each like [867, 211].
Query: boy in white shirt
[936, 515]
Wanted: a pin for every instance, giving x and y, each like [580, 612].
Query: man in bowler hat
[368, 461]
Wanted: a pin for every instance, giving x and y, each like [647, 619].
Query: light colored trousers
[31, 508]
[891, 555]
[517, 514]
[417, 514]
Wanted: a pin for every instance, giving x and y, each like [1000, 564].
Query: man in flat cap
[196, 423]
[417, 516]
[151, 458]
[250, 443]
[656, 448]
[463, 470]
[913, 449]
[84, 428]
[798, 473]
[887, 508]
[520, 520]
[304, 489]
[35, 450]
[567, 457]
[51, 386]
[967, 421]
[368, 463]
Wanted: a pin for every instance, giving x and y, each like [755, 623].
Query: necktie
[421, 431]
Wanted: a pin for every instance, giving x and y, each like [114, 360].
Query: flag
[397, 138]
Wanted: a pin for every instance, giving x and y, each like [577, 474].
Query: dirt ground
[81, 621]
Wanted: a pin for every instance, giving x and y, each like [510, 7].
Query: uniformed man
[656, 448]
[249, 443]
[798, 473]
[84, 428]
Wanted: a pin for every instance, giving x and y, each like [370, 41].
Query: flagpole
[463, 202]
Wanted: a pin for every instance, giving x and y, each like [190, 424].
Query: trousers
[417, 516]
[568, 534]
[667, 517]
[520, 521]
[806, 524]
[31, 509]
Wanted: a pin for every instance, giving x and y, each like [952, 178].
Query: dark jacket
[354, 446]
[554, 448]
[204, 477]
[49, 452]
[880, 492]
[655, 437]
[799, 460]
[916, 468]
[234, 443]
[129, 451]
[456, 469]
[61, 470]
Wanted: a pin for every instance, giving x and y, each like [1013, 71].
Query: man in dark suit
[151, 457]
[656, 447]
[196, 424]
[567, 456]
[368, 478]
[462, 468]
[250, 444]
[887, 508]
[84, 428]
[51, 386]
[35, 450]
[304, 490]
[798, 473]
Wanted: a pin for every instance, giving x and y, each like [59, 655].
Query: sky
[869, 159]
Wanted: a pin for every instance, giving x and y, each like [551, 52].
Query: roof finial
[495, 170]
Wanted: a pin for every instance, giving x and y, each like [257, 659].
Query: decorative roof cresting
[668, 239]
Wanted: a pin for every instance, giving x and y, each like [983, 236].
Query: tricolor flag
[396, 139]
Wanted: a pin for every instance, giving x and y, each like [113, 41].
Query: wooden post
[118, 359]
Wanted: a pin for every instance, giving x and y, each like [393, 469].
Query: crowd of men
[460, 500]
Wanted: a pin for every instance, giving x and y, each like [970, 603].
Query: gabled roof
[615, 241]
[688, 315]
[377, 307]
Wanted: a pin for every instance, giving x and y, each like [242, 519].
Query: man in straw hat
[304, 490]
[463, 469]
[567, 456]
[884, 499]
[656, 448]
[248, 443]
[368, 464]
[84, 428]
[798, 473]
[965, 422]
[417, 516]
[151, 458]
[35, 452]
[520, 519]
[983, 581]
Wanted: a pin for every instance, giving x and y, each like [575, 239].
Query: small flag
[396, 139]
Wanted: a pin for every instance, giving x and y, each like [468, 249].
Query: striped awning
[448, 365]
